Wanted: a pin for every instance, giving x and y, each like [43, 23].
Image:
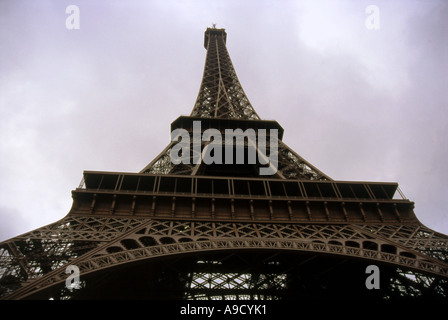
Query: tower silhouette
[206, 220]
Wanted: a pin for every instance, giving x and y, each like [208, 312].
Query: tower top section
[214, 32]
[221, 104]
[221, 94]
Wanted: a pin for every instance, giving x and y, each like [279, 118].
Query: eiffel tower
[193, 230]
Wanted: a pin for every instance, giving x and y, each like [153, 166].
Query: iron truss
[37, 260]
[221, 96]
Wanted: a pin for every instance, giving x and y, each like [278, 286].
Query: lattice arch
[155, 239]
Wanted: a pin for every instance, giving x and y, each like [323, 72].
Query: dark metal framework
[200, 232]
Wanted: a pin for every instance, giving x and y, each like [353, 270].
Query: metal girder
[150, 239]
[221, 96]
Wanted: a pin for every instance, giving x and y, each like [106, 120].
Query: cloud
[11, 222]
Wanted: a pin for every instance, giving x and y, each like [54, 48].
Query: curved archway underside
[135, 243]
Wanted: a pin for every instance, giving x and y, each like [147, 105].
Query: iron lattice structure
[197, 231]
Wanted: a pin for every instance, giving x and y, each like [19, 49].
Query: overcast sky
[360, 104]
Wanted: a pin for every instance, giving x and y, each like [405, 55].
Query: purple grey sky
[359, 104]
